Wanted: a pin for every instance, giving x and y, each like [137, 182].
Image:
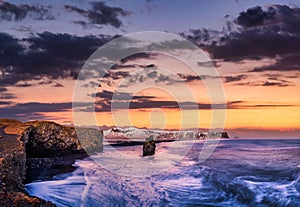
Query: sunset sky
[250, 48]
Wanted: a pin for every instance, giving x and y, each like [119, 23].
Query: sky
[243, 74]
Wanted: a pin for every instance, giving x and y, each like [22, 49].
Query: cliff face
[48, 139]
[48, 143]
[33, 145]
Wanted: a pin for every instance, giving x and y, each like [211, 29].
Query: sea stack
[149, 146]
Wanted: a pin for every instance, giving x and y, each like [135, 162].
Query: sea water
[238, 173]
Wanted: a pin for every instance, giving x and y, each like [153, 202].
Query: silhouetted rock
[48, 139]
[149, 147]
[225, 135]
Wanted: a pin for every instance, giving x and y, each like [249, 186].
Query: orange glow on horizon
[280, 118]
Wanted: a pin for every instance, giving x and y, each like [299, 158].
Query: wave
[218, 182]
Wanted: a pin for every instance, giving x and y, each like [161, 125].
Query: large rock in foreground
[48, 139]
[37, 144]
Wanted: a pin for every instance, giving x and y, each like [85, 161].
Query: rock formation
[225, 135]
[38, 144]
[149, 146]
[48, 139]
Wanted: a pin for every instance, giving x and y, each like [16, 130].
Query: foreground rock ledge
[32, 145]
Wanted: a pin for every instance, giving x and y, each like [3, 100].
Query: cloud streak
[236, 78]
[13, 12]
[99, 14]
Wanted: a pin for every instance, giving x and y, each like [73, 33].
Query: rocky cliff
[38, 144]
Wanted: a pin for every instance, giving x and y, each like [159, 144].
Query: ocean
[239, 172]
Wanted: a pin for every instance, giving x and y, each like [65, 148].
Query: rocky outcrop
[13, 167]
[38, 144]
[149, 147]
[48, 139]
[225, 135]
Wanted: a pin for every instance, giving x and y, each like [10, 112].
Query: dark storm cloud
[130, 77]
[10, 48]
[109, 78]
[27, 110]
[272, 32]
[203, 37]
[152, 66]
[247, 105]
[107, 105]
[290, 62]
[255, 16]
[270, 82]
[99, 14]
[36, 109]
[279, 16]
[119, 74]
[141, 55]
[108, 95]
[256, 44]
[5, 102]
[67, 46]
[7, 96]
[24, 85]
[270, 105]
[120, 66]
[58, 85]
[280, 80]
[190, 78]
[47, 55]
[104, 94]
[2, 89]
[235, 78]
[13, 12]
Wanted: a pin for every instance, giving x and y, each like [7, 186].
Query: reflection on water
[239, 173]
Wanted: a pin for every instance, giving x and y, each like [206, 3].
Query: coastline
[13, 168]
[30, 146]
[38, 150]
[259, 175]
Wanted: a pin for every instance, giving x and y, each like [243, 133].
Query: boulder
[225, 135]
[48, 139]
[149, 147]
